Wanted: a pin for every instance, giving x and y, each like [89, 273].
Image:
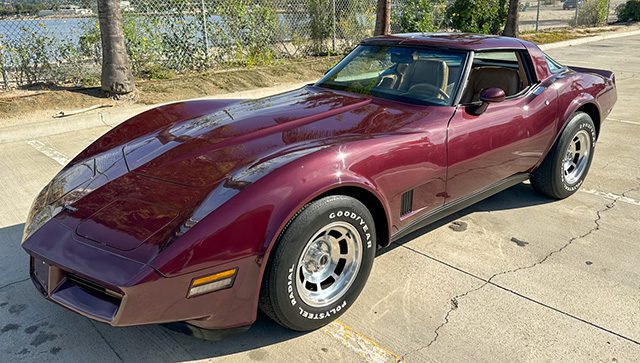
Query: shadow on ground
[32, 326]
[519, 196]
[87, 91]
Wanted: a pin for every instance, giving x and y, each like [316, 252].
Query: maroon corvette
[205, 211]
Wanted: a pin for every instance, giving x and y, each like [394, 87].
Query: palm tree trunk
[511, 27]
[117, 77]
[383, 18]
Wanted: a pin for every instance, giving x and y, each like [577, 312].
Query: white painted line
[612, 196]
[363, 346]
[50, 152]
[625, 121]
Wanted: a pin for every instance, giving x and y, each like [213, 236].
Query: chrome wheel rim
[329, 264]
[576, 157]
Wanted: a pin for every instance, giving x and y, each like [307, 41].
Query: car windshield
[407, 74]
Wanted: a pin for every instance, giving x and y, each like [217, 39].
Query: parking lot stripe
[624, 121]
[50, 152]
[362, 345]
[612, 196]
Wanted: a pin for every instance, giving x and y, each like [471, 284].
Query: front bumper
[113, 289]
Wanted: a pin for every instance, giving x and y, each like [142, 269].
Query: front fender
[249, 222]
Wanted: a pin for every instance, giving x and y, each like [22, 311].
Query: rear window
[497, 56]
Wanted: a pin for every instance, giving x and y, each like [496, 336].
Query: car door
[510, 137]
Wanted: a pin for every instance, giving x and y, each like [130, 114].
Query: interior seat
[487, 77]
[431, 71]
[391, 78]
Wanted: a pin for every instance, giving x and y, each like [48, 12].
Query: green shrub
[479, 16]
[156, 71]
[355, 21]
[142, 40]
[247, 32]
[418, 16]
[90, 43]
[629, 11]
[4, 63]
[320, 25]
[29, 55]
[180, 44]
[592, 13]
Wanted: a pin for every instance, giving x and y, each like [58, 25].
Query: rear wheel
[564, 169]
[320, 263]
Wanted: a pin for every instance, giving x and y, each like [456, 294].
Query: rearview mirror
[487, 96]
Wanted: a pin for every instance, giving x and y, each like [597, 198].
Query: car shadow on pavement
[519, 196]
[30, 326]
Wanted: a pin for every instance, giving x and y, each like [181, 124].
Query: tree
[411, 16]
[117, 78]
[383, 18]
[478, 16]
[511, 27]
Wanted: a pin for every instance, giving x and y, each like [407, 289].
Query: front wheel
[320, 264]
[564, 169]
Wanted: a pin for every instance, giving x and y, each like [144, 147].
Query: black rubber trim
[459, 204]
[204, 334]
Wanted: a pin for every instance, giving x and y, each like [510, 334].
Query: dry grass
[48, 100]
[558, 35]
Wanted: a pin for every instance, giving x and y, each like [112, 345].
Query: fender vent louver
[407, 203]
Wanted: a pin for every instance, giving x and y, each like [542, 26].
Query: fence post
[538, 16]
[333, 26]
[205, 32]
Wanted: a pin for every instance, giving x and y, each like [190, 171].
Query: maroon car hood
[190, 167]
[199, 152]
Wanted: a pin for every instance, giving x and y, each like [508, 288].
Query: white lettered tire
[319, 264]
[566, 166]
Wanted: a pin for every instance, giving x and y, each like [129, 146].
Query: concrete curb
[113, 117]
[68, 124]
[572, 42]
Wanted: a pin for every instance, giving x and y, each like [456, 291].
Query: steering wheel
[428, 88]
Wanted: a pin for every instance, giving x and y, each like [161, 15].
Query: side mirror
[487, 96]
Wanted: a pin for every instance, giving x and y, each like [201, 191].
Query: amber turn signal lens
[214, 282]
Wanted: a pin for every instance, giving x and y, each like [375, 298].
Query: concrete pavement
[518, 278]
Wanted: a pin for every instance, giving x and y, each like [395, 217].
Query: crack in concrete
[454, 300]
[13, 283]
[104, 339]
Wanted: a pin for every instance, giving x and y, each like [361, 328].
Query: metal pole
[333, 25]
[205, 33]
[538, 16]
[576, 16]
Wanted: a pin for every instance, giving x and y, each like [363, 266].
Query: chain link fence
[58, 41]
[550, 14]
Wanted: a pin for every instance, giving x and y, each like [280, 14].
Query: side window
[504, 69]
[554, 67]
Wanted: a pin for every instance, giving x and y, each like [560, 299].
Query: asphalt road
[518, 277]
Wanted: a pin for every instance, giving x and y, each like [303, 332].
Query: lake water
[62, 29]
